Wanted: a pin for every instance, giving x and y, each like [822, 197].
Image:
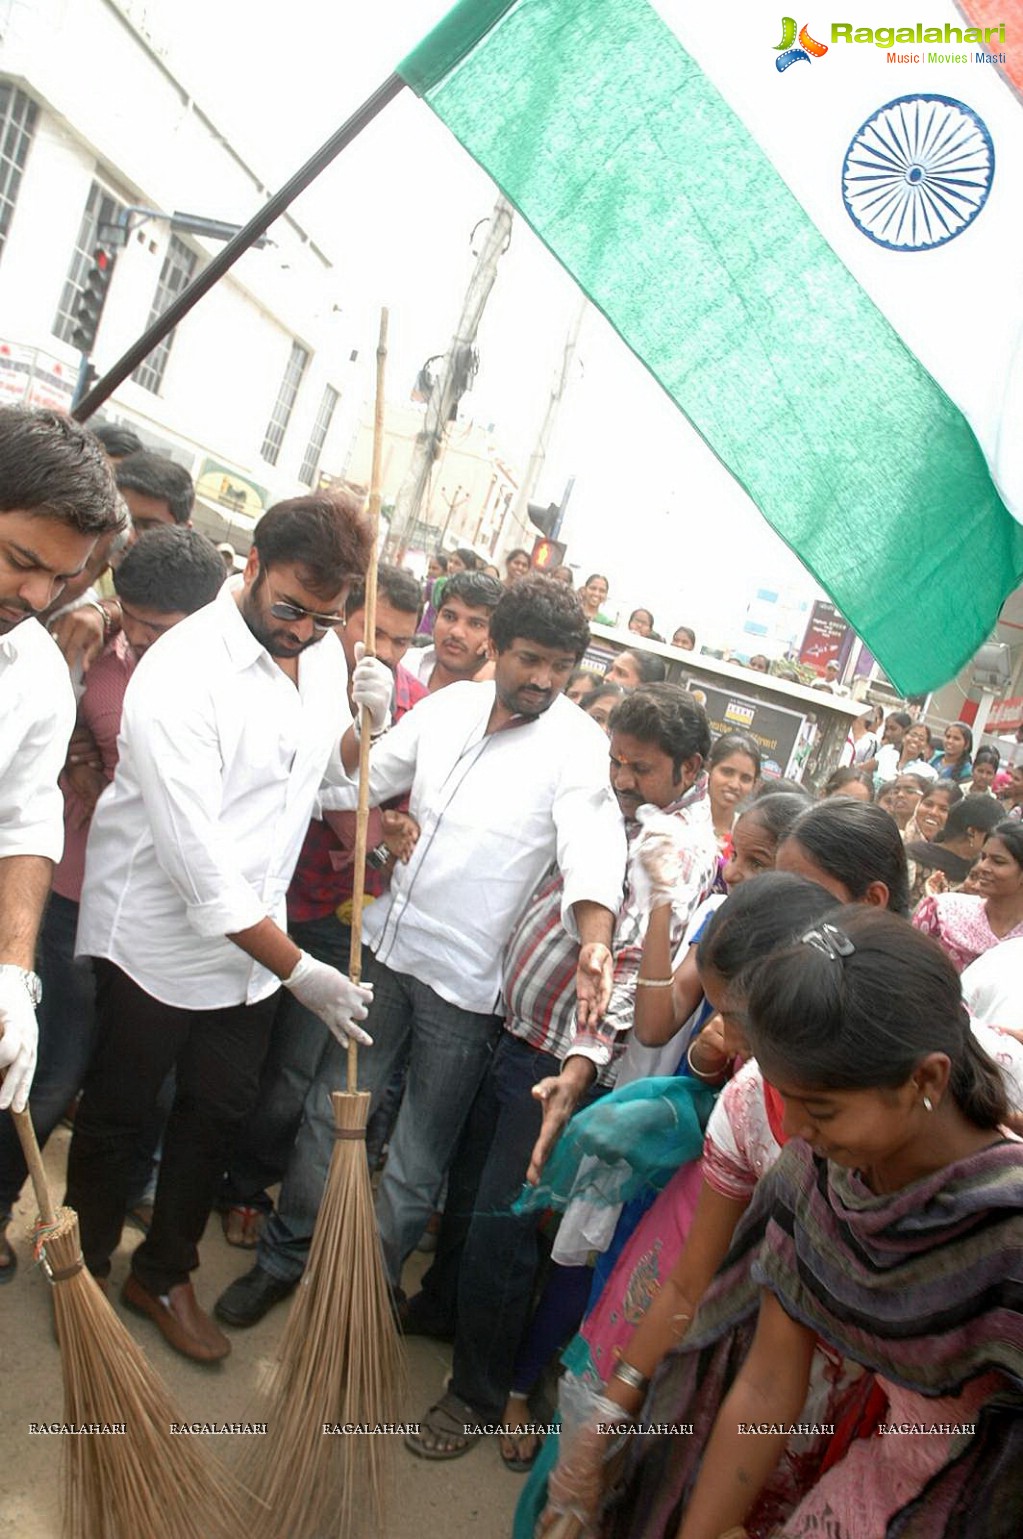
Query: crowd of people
[708, 1089]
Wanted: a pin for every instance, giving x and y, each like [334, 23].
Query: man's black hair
[325, 534]
[118, 441]
[154, 475]
[398, 587]
[477, 589]
[50, 467]
[543, 611]
[170, 570]
[667, 715]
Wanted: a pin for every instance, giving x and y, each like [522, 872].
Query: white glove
[372, 687]
[19, 1041]
[332, 996]
[658, 859]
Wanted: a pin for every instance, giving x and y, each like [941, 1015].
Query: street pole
[559, 384]
[450, 383]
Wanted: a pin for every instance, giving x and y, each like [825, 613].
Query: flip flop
[8, 1259]
[446, 1423]
[243, 1226]
[519, 1463]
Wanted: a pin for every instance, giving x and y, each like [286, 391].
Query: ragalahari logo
[786, 50]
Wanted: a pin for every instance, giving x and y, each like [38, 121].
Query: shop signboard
[783, 736]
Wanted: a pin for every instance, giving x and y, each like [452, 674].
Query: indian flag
[812, 241]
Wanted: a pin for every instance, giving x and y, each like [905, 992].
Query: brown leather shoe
[178, 1317]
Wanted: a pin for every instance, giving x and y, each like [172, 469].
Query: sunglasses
[284, 611]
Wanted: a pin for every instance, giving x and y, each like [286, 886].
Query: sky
[398, 209]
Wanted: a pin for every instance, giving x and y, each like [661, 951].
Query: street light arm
[246, 237]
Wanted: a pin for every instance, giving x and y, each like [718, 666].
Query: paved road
[468, 1498]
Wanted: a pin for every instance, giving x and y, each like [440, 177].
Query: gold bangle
[654, 983]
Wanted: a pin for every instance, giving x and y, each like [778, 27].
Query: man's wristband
[111, 622]
[654, 983]
[374, 737]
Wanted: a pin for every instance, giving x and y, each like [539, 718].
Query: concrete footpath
[469, 1498]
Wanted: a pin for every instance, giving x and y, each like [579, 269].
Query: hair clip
[830, 941]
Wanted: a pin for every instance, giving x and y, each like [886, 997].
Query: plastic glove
[576, 1484]
[658, 860]
[332, 996]
[20, 1039]
[372, 687]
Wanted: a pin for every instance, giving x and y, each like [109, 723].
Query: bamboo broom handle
[369, 634]
[34, 1160]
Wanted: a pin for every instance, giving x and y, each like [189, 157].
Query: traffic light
[93, 296]
[544, 519]
[547, 554]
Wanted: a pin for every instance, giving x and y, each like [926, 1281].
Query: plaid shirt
[322, 880]
[540, 962]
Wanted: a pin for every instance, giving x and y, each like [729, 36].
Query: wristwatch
[32, 982]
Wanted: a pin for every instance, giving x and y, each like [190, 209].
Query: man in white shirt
[230, 725]
[504, 778]
[57, 497]
[461, 632]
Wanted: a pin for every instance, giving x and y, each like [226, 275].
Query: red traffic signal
[91, 299]
[547, 554]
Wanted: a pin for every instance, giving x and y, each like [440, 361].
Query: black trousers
[216, 1056]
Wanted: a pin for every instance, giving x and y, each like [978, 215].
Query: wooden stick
[369, 642]
[34, 1160]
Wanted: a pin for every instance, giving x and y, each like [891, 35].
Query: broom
[339, 1362]
[143, 1482]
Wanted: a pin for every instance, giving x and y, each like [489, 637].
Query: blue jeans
[499, 1257]
[67, 1032]
[301, 1048]
[448, 1050]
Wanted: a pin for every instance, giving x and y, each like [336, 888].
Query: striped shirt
[541, 958]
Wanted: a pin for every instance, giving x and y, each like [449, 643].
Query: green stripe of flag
[645, 184]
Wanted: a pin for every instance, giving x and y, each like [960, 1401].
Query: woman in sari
[889, 1234]
[965, 925]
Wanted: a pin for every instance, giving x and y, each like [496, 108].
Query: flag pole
[246, 237]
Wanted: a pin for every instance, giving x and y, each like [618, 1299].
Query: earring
[928, 1103]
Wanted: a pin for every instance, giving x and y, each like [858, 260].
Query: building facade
[257, 390]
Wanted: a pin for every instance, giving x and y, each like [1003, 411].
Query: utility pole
[451, 383]
[559, 384]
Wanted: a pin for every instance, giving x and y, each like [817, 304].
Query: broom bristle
[145, 1482]
[339, 1363]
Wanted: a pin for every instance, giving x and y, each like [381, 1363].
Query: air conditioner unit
[992, 666]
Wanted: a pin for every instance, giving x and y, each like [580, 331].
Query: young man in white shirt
[504, 778]
[229, 728]
[461, 633]
[57, 498]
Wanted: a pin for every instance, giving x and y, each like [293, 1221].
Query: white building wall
[126, 121]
